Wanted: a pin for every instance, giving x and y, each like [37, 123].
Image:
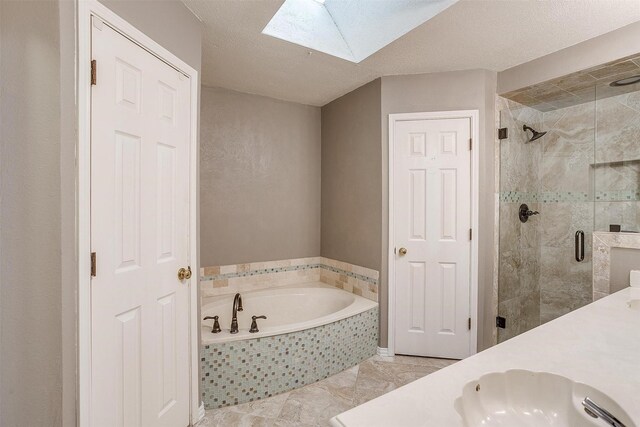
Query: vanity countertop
[598, 344]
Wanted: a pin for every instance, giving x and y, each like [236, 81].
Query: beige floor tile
[341, 385]
[373, 376]
[313, 405]
[316, 404]
[229, 417]
[286, 423]
[269, 407]
[402, 374]
[416, 360]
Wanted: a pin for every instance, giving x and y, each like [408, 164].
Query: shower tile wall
[584, 174]
[539, 278]
[567, 156]
[519, 264]
[617, 169]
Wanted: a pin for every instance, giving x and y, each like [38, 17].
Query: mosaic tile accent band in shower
[617, 196]
[262, 275]
[543, 197]
[568, 196]
[243, 371]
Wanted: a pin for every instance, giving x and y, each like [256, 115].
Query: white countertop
[598, 344]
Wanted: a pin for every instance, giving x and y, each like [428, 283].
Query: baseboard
[383, 352]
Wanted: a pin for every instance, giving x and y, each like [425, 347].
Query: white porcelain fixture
[532, 399]
[288, 309]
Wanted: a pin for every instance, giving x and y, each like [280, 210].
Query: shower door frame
[474, 118]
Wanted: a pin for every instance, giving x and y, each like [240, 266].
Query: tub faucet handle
[216, 325]
[254, 324]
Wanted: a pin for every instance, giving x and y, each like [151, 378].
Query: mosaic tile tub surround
[227, 279]
[243, 371]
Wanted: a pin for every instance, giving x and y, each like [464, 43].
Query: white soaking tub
[288, 309]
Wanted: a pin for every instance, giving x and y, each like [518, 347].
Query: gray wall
[37, 185]
[68, 258]
[607, 47]
[458, 90]
[30, 271]
[168, 22]
[351, 177]
[259, 178]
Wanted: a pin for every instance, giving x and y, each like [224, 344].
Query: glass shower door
[566, 229]
[616, 167]
[544, 259]
[519, 268]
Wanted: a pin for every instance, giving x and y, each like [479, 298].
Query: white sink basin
[532, 399]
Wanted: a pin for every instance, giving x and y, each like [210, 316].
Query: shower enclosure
[569, 166]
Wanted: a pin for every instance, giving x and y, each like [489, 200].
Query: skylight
[350, 29]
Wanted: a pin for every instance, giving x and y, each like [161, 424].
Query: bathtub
[288, 309]
[312, 331]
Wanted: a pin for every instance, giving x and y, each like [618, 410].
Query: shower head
[536, 134]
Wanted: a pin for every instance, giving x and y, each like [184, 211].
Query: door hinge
[503, 133]
[93, 264]
[470, 144]
[93, 72]
[501, 322]
[469, 323]
[470, 234]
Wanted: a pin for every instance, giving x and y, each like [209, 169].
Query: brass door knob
[184, 273]
[402, 251]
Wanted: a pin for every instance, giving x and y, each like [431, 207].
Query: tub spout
[237, 306]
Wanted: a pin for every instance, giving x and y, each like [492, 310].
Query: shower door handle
[579, 242]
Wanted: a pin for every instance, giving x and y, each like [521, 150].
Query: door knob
[184, 273]
[402, 251]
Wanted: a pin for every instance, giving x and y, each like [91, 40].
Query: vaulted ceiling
[471, 34]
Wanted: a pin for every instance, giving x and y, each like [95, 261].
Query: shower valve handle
[524, 212]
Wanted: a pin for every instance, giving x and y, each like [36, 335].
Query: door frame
[86, 10]
[473, 116]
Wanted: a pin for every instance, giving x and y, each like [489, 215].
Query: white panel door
[432, 222]
[140, 113]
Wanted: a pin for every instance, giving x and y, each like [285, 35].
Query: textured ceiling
[471, 34]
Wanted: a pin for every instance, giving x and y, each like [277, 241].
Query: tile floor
[316, 404]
